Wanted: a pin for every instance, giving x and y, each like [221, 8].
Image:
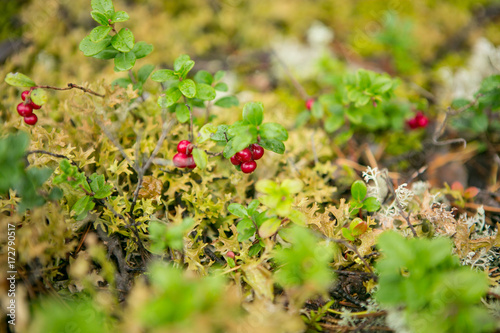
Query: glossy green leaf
[163, 75]
[103, 6]
[203, 76]
[120, 16]
[206, 132]
[253, 113]
[182, 113]
[170, 97]
[90, 48]
[19, 80]
[273, 145]
[371, 204]
[187, 88]
[237, 209]
[273, 131]
[205, 92]
[221, 86]
[99, 18]
[358, 190]
[99, 33]
[200, 158]
[180, 62]
[227, 102]
[123, 41]
[125, 61]
[221, 134]
[142, 49]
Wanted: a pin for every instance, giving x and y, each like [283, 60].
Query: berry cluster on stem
[418, 121]
[183, 158]
[247, 157]
[25, 108]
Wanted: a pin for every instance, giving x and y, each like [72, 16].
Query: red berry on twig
[309, 103]
[234, 160]
[248, 167]
[245, 155]
[257, 151]
[24, 94]
[184, 161]
[31, 119]
[185, 147]
[24, 109]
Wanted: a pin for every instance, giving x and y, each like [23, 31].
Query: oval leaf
[237, 209]
[204, 77]
[269, 227]
[120, 16]
[182, 113]
[90, 48]
[227, 102]
[142, 49]
[188, 88]
[163, 75]
[200, 158]
[99, 33]
[358, 190]
[253, 113]
[39, 96]
[273, 145]
[19, 80]
[123, 41]
[99, 18]
[171, 96]
[125, 61]
[273, 131]
[205, 92]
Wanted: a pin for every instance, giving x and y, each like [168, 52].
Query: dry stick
[405, 215]
[71, 86]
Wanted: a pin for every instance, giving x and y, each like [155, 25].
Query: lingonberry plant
[143, 183]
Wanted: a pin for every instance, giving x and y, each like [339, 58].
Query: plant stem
[71, 86]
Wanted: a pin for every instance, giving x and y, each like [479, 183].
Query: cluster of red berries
[183, 158]
[247, 157]
[419, 121]
[25, 109]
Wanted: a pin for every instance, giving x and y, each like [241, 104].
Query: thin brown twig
[71, 86]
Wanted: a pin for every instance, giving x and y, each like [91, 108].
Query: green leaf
[108, 53]
[219, 75]
[171, 96]
[125, 61]
[188, 88]
[144, 72]
[123, 41]
[121, 82]
[163, 75]
[246, 229]
[371, 204]
[142, 49]
[292, 185]
[221, 86]
[19, 80]
[206, 132]
[220, 135]
[266, 186]
[99, 18]
[298, 218]
[273, 131]
[180, 61]
[204, 92]
[120, 16]
[99, 33]
[182, 113]
[39, 96]
[204, 77]
[103, 6]
[81, 204]
[269, 227]
[347, 234]
[253, 206]
[238, 143]
[273, 145]
[227, 102]
[200, 158]
[90, 48]
[253, 113]
[358, 190]
[333, 123]
[237, 209]
[317, 110]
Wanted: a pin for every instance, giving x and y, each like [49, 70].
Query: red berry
[245, 155]
[422, 121]
[24, 94]
[412, 123]
[257, 151]
[34, 106]
[185, 147]
[184, 161]
[235, 161]
[24, 109]
[230, 254]
[309, 103]
[248, 167]
[31, 119]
